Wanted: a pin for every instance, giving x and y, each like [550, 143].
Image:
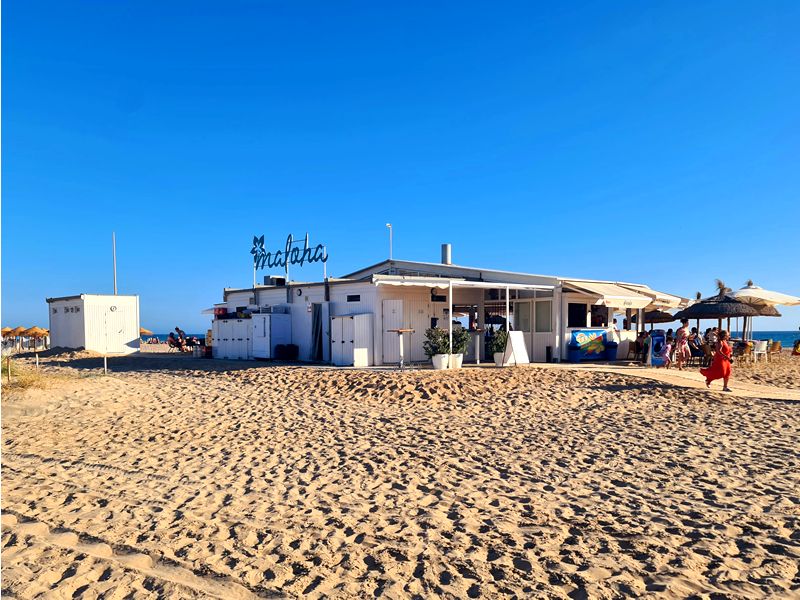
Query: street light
[389, 225]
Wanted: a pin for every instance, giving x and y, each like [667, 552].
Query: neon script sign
[292, 254]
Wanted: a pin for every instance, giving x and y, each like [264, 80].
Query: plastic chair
[759, 349]
[775, 348]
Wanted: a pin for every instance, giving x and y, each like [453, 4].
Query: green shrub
[460, 340]
[498, 342]
[437, 341]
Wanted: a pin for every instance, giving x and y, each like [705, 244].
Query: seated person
[175, 342]
[696, 343]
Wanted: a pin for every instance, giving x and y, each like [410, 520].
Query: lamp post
[389, 225]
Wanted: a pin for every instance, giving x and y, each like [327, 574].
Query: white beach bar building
[353, 320]
[108, 324]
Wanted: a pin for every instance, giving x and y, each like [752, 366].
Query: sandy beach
[183, 478]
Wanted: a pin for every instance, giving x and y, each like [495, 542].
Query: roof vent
[447, 254]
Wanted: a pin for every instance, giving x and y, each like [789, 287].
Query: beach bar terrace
[397, 299]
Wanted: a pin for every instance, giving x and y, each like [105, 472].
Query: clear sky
[648, 142]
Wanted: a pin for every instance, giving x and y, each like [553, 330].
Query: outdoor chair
[707, 355]
[743, 353]
[697, 356]
[775, 348]
[759, 349]
[633, 350]
[174, 345]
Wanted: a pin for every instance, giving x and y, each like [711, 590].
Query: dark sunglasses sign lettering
[290, 255]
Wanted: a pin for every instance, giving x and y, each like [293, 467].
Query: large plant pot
[498, 358]
[456, 360]
[440, 361]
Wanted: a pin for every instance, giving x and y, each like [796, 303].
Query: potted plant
[460, 344]
[437, 347]
[497, 346]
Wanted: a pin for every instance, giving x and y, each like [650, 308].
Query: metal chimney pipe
[447, 254]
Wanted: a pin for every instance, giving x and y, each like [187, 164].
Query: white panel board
[516, 353]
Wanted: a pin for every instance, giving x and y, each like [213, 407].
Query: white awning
[611, 294]
[659, 299]
[444, 283]
[210, 311]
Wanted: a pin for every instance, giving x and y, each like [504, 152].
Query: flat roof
[451, 271]
[429, 265]
[79, 296]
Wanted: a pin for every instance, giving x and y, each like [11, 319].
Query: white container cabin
[397, 294]
[108, 324]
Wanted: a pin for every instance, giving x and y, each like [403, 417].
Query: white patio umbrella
[759, 297]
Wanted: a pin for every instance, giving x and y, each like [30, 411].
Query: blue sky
[649, 142]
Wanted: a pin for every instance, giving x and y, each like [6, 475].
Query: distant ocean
[786, 338]
[162, 337]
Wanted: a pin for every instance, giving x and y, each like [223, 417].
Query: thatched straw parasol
[767, 311]
[6, 331]
[721, 306]
[143, 331]
[35, 333]
[717, 307]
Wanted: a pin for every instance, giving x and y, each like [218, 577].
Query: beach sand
[179, 477]
[781, 370]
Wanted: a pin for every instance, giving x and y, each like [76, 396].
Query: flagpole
[114, 254]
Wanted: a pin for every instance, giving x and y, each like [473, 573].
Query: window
[544, 316]
[522, 316]
[438, 298]
[354, 297]
[576, 315]
[599, 316]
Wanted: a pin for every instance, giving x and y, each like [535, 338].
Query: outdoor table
[400, 333]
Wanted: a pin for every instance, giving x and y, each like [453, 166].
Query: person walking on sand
[682, 351]
[721, 363]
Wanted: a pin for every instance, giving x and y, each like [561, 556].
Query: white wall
[67, 324]
[112, 323]
[102, 323]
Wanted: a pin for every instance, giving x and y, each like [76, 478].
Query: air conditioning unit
[276, 281]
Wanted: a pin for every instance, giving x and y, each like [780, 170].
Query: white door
[225, 331]
[392, 319]
[348, 337]
[418, 313]
[336, 341]
[261, 336]
[115, 329]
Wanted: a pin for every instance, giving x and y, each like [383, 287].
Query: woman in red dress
[721, 364]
